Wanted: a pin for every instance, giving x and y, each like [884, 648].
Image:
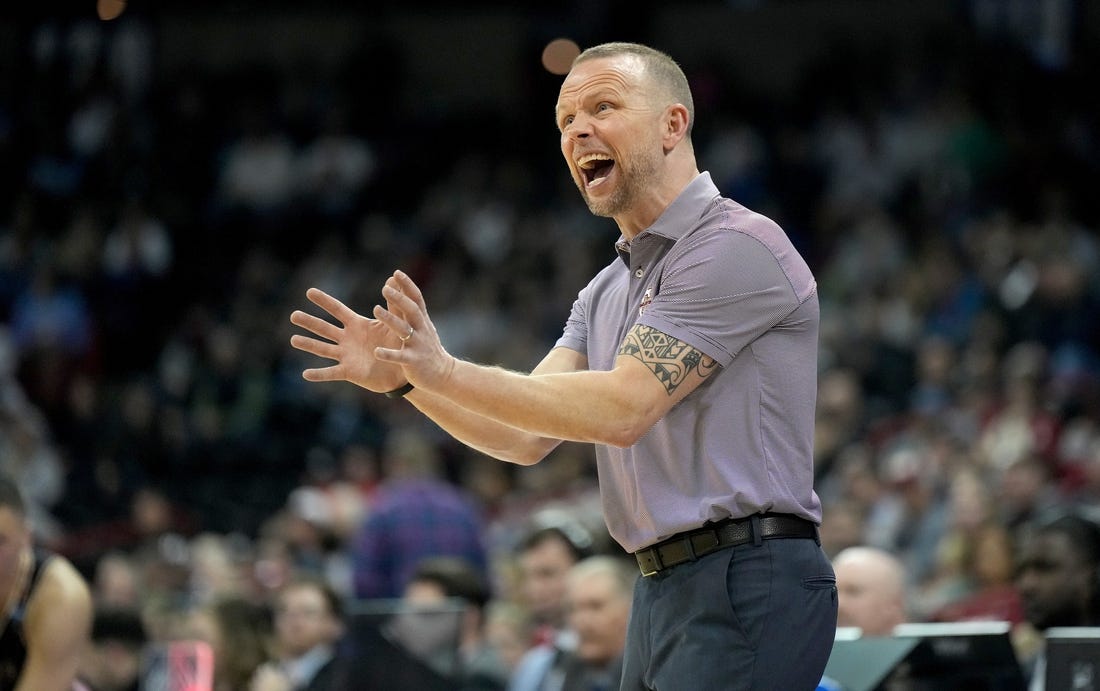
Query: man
[438, 580]
[45, 606]
[870, 585]
[1058, 577]
[113, 660]
[546, 556]
[416, 514]
[599, 596]
[308, 623]
[690, 362]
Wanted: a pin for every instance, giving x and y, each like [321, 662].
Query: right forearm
[483, 434]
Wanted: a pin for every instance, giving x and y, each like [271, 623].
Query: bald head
[871, 586]
[599, 598]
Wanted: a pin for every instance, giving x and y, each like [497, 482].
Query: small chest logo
[646, 299]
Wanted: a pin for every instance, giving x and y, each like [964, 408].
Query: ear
[676, 124]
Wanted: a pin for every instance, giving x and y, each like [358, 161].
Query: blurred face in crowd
[543, 571]
[1055, 584]
[429, 626]
[111, 665]
[870, 592]
[598, 613]
[610, 133]
[14, 539]
[303, 620]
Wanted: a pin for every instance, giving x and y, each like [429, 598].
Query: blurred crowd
[157, 229]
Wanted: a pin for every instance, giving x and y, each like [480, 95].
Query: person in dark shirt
[45, 606]
[113, 660]
[417, 513]
[309, 625]
[1058, 577]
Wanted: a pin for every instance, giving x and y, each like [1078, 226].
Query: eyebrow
[602, 94]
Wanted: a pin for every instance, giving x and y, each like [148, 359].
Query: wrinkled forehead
[617, 72]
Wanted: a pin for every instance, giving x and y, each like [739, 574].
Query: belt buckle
[654, 558]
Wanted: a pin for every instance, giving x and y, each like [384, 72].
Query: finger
[414, 315]
[398, 325]
[315, 324]
[393, 308]
[322, 374]
[406, 285]
[342, 312]
[315, 347]
[395, 356]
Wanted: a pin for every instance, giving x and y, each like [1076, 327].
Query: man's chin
[604, 207]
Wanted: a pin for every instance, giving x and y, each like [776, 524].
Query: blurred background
[173, 179]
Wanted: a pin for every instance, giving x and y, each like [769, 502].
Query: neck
[646, 214]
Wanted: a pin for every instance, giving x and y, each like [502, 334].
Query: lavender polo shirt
[728, 282]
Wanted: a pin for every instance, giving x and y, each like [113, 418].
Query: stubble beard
[634, 181]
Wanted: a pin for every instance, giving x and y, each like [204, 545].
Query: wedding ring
[407, 336]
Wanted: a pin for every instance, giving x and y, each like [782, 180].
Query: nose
[579, 128]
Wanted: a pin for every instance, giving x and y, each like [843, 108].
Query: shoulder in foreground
[62, 584]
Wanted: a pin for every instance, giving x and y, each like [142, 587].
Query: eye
[605, 106]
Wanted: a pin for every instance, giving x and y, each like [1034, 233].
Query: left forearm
[586, 406]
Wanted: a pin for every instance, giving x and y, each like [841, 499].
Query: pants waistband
[692, 544]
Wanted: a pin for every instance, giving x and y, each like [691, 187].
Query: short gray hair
[661, 69]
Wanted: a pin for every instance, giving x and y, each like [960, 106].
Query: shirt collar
[691, 203]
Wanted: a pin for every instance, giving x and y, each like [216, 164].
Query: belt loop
[817, 535]
[757, 538]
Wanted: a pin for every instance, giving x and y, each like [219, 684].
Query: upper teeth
[587, 160]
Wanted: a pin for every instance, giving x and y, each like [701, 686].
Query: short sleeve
[720, 292]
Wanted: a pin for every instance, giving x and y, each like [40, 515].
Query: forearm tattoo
[669, 358]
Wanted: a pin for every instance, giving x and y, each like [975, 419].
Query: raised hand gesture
[351, 343]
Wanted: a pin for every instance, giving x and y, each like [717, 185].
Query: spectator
[992, 594]
[871, 587]
[509, 630]
[1023, 492]
[599, 597]
[417, 514]
[27, 454]
[116, 582]
[1058, 580]
[546, 556]
[113, 661]
[308, 626]
[46, 613]
[257, 174]
[239, 634]
[439, 579]
[335, 167]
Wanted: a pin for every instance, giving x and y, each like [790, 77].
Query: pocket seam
[822, 582]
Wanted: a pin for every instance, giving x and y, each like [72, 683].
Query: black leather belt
[690, 545]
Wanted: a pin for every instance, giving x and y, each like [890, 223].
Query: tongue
[600, 173]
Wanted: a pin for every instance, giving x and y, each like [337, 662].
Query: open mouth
[595, 168]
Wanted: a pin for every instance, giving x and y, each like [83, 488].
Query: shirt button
[638, 273]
